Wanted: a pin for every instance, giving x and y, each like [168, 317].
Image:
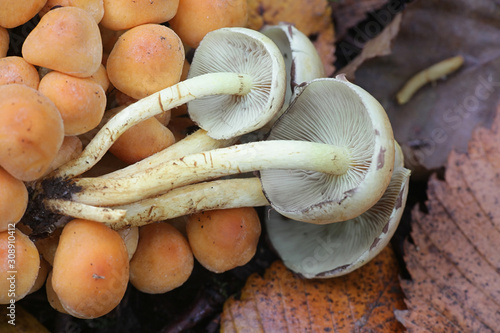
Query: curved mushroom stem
[254, 156]
[194, 143]
[168, 98]
[79, 210]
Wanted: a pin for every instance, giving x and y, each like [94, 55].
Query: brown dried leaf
[311, 17]
[378, 46]
[362, 301]
[441, 116]
[454, 262]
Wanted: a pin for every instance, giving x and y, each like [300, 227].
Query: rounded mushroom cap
[245, 51]
[195, 18]
[163, 260]
[31, 131]
[14, 12]
[145, 59]
[68, 40]
[80, 101]
[335, 112]
[15, 69]
[223, 239]
[91, 269]
[329, 250]
[26, 265]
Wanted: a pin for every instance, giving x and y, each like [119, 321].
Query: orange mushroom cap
[15, 69]
[145, 59]
[15, 12]
[195, 18]
[31, 131]
[223, 239]
[81, 101]
[91, 269]
[163, 259]
[68, 40]
[142, 140]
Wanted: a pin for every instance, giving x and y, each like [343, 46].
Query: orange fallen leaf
[454, 261]
[362, 301]
[311, 17]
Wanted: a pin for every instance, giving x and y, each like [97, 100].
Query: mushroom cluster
[329, 159]
[272, 132]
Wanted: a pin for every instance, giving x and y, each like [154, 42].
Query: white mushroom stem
[79, 210]
[255, 156]
[168, 98]
[190, 199]
[194, 143]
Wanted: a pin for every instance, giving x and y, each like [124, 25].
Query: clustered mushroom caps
[333, 141]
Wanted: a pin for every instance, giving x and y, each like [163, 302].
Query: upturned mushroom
[335, 249]
[335, 143]
[235, 69]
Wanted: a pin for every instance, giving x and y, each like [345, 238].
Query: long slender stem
[190, 199]
[277, 154]
[79, 210]
[171, 97]
[197, 142]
